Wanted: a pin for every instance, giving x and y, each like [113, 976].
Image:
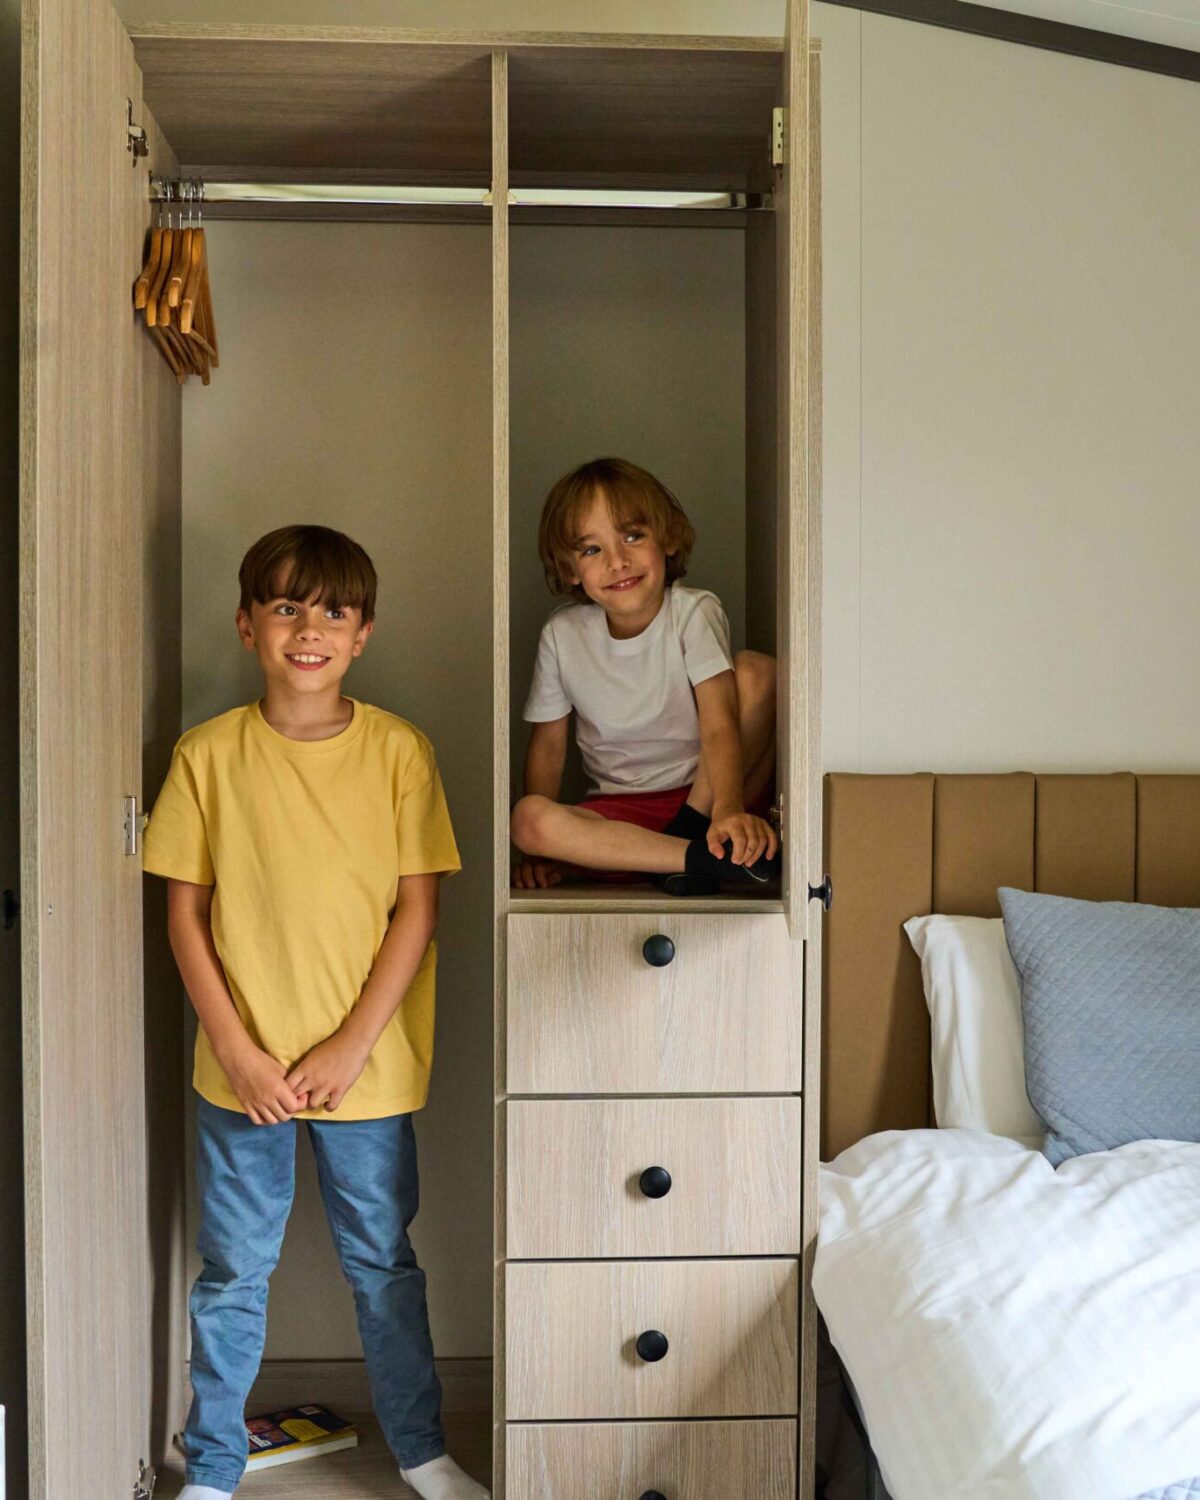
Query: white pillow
[974, 999]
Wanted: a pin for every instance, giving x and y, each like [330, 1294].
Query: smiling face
[621, 566]
[303, 646]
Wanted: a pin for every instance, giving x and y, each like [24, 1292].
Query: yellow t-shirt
[305, 841]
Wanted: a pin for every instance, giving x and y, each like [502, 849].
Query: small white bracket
[136, 139]
[778, 136]
[132, 824]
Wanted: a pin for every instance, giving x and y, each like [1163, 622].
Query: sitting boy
[676, 733]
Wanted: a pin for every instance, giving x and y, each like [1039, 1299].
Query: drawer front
[573, 1333]
[581, 1178]
[589, 1014]
[680, 1460]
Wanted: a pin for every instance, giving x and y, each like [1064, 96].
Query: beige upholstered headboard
[903, 846]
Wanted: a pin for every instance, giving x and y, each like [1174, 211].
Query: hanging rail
[249, 199]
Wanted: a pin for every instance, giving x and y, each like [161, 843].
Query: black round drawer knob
[652, 1495]
[658, 951]
[652, 1346]
[655, 1182]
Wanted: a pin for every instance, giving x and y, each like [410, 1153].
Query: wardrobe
[656, 1061]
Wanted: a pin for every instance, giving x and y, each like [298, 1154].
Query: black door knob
[655, 1182]
[658, 951]
[822, 893]
[652, 1346]
[652, 1495]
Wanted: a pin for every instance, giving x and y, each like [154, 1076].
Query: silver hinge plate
[136, 138]
[143, 1485]
[778, 136]
[132, 824]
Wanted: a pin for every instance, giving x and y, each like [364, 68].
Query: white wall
[1012, 319]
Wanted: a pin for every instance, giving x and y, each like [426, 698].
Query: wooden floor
[367, 1472]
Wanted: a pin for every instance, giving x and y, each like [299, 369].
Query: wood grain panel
[83, 219]
[573, 1169]
[684, 1460]
[165, 1002]
[1168, 840]
[572, 1328]
[1086, 836]
[588, 1015]
[814, 761]
[500, 711]
[982, 839]
[688, 116]
[415, 113]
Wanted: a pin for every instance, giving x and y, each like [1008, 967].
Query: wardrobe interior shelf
[635, 898]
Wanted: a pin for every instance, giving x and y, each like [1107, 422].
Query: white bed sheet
[1013, 1332]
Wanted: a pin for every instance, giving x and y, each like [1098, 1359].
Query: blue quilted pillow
[1110, 994]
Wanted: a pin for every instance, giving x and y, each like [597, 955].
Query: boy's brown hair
[306, 562]
[633, 495]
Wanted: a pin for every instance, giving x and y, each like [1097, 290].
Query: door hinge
[143, 1485]
[136, 139]
[779, 117]
[133, 824]
[775, 815]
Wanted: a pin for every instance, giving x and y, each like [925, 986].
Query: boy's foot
[701, 863]
[442, 1479]
[202, 1492]
[688, 885]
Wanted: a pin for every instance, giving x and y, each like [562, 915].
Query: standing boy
[303, 837]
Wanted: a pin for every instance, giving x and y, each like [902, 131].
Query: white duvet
[1013, 1332]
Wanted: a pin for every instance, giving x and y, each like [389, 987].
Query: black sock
[688, 823]
[701, 861]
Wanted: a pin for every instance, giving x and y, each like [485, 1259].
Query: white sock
[441, 1479]
[202, 1492]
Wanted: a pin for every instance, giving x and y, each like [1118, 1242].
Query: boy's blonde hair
[307, 562]
[633, 496]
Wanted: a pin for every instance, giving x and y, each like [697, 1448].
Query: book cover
[281, 1437]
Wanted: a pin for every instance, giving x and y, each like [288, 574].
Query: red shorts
[652, 810]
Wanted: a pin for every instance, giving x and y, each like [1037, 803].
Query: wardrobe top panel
[643, 118]
[384, 106]
[242, 108]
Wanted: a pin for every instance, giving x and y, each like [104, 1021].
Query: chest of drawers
[652, 1235]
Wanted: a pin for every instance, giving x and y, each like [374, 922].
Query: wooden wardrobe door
[83, 532]
[798, 557]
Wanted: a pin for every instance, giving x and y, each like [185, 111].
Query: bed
[1007, 1330]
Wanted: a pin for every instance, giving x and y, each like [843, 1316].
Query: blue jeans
[368, 1175]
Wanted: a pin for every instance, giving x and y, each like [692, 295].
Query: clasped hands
[271, 1093]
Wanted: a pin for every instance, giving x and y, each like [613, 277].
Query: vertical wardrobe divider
[500, 748]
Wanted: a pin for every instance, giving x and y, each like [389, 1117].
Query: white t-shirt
[635, 713]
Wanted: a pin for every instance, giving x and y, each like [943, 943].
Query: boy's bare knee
[528, 823]
[754, 672]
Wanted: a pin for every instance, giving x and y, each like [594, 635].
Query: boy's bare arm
[721, 749]
[328, 1071]
[254, 1075]
[546, 757]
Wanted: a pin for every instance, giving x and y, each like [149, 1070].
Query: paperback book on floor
[282, 1437]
